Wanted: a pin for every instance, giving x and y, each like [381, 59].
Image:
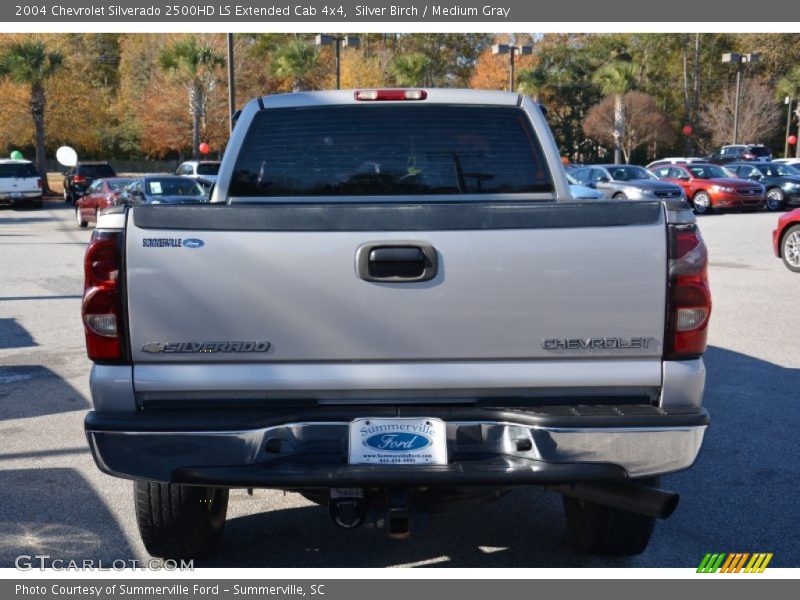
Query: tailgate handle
[396, 262]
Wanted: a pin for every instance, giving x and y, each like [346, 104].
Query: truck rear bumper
[308, 448]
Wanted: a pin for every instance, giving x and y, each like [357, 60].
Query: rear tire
[180, 521]
[597, 529]
[67, 196]
[620, 196]
[79, 220]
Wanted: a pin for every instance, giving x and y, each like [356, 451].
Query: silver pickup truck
[390, 303]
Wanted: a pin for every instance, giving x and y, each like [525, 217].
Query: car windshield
[709, 172]
[96, 171]
[118, 184]
[390, 150]
[20, 170]
[208, 168]
[629, 173]
[778, 170]
[175, 186]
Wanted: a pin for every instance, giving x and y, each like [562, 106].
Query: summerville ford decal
[172, 243]
[410, 441]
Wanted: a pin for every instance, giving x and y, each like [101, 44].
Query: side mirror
[603, 180]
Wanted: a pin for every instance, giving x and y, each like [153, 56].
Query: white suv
[199, 169]
[20, 183]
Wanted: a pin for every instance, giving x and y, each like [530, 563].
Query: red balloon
[205, 148]
[687, 130]
[792, 139]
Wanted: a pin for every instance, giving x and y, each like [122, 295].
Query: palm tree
[295, 60]
[790, 86]
[196, 66]
[411, 69]
[29, 63]
[616, 78]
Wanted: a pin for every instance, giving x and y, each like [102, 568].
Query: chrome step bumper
[506, 447]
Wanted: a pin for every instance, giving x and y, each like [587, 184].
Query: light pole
[511, 50]
[231, 84]
[740, 60]
[788, 102]
[339, 41]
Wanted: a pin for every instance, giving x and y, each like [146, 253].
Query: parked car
[199, 169]
[626, 182]
[673, 160]
[163, 189]
[734, 153]
[709, 187]
[582, 192]
[786, 240]
[20, 183]
[781, 181]
[99, 196]
[336, 323]
[77, 179]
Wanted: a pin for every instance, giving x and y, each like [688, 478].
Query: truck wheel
[180, 521]
[597, 529]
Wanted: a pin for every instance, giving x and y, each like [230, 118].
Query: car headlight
[634, 193]
[155, 201]
[723, 188]
[790, 185]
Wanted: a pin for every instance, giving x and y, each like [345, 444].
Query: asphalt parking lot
[740, 496]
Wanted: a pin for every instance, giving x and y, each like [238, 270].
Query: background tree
[296, 62]
[28, 63]
[759, 114]
[411, 69]
[616, 79]
[645, 123]
[195, 64]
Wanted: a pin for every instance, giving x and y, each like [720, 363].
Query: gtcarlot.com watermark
[42, 562]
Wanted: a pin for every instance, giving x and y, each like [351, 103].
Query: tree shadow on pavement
[14, 335]
[55, 512]
[52, 394]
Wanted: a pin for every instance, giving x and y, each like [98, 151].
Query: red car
[786, 240]
[709, 187]
[101, 194]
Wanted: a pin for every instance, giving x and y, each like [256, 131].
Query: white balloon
[67, 156]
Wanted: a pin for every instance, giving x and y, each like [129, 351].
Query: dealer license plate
[398, 441]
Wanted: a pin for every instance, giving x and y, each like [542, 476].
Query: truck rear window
[20, 170]
[390, 150]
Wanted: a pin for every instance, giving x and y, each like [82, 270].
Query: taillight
[689, 306]
[377, 95]
[78, 179]
[102, 301]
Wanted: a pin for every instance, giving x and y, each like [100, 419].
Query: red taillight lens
[689, 306]
[78, 179]
[102, 302]
[378, 95]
